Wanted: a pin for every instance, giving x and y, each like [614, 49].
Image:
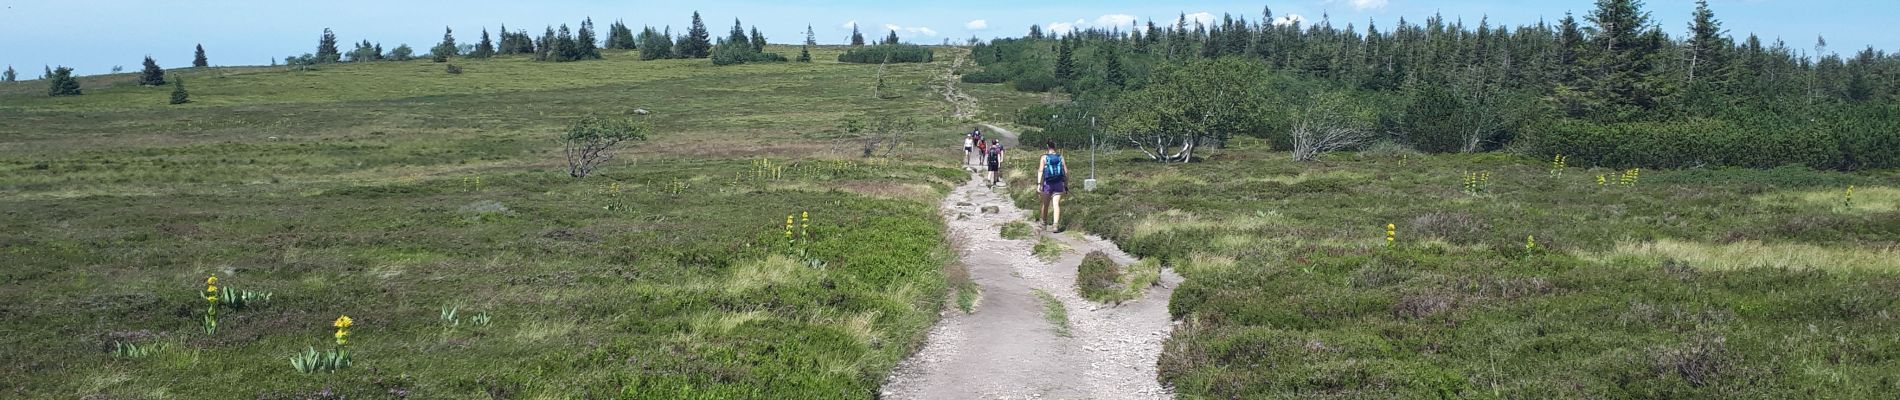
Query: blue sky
[94, 35]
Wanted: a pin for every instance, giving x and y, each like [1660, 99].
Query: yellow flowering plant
[1848, 200]
[211, 305]
[311, 360]
[1391, 234]
[1557, 165]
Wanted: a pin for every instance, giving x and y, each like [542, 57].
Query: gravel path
[1006, 349]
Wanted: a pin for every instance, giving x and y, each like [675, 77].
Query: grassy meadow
[396, 193]
[1529, 284]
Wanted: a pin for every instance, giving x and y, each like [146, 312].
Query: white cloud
[849, 24]
[913, 31]
[1289, 19]
[1205, 18]
[1114, 20]
[977, 25]
[1066, 27]
[1363, 5]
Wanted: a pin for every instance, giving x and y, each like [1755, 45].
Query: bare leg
[1042, 215]
[1055, 207]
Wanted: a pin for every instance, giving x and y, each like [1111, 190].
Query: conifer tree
[698, 42]
[737, 36]
[9, 75]
[892, 38]
[1620, 58]
[326, 48]
[152, 75]
[620, 37]
[1065, 62]
[198, 58]
[586, 48]
[655, 45]
[486, 48]
[804, 53]
[565, 48]
[179, 96]
[857, 38]
[758, 40]
[1112, 70]
[48, 74]
[1035, 32]
[444, 50]
[60, 82]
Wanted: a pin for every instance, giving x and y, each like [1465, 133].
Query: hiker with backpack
[1054, 179]
[994, 157]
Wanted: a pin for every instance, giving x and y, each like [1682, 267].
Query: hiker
[994, 158]
[1054, 179]
[968, 145]
[982, 150]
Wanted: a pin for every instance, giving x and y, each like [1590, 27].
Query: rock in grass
[991, 210]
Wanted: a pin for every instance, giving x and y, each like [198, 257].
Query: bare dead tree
[589, 143]
[1312, 138]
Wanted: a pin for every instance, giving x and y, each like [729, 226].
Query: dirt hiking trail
[1007, 348]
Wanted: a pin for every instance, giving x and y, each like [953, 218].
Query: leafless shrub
[1310, 139]
[1456, 227]
[1417, 306]
[1700, 360]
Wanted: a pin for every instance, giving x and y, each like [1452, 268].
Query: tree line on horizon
[1608, 88]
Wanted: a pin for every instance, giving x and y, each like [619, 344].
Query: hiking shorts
[1055, 186]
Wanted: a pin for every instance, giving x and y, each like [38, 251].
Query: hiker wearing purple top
[1054, 179]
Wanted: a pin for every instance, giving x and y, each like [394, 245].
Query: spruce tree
[737, 36]
[198, 58]
[804, 53]
[326, 48]
[1708, 45]
[444, 50]
[48, 74]
[892, 38]
[857, 38]
[565, 48]
[586, 48]
[620, 37]
[1112, 70]
[1619, 61]
[655, 45]
[179, 96]
[60, 82]
[698, 42]
[1035, 32]
[758, 40]
[1065, 62]
[152, 75]
[9, 75]
[486, 48]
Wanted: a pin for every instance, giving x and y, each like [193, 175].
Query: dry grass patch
[1754, 254]
[1866, 200]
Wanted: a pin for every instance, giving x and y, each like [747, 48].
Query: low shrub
[893, 53]
[985, 77]
[1036, 82]
[1098, 278]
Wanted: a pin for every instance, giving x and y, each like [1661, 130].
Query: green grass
[1691, 284]
[1015, 230]
[350, 190]
[1055, 312]
[1099, 279]
[1048, 249]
